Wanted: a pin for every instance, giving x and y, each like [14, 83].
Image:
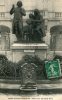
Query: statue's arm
[23, 12]
[12, 10]
[41, 18]
[28, 21]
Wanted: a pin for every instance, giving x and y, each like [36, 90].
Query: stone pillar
[4, 41]
[56, 38]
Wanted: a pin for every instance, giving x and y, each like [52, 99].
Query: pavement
[30, 97]
[43, 86]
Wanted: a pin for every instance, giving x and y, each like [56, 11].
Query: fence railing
[44, 13]
[53, 15]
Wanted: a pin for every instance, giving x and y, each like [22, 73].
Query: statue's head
[36, 12]
[19, 4]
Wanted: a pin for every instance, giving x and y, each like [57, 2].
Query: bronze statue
[35, 27]
[33, 31]
[28, 29]
[17, 25]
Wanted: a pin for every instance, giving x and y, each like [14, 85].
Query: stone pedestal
[21, 49]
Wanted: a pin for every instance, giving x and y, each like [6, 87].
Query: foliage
[9, 69]
[6, 67]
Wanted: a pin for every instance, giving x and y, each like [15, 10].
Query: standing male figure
[17, 25]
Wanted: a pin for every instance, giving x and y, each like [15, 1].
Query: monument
[34, 30]
[30, 42]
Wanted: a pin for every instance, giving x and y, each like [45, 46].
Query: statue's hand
[23, 12]
[12, 9]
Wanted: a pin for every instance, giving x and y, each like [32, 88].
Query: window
[2, 2]
[2, 15]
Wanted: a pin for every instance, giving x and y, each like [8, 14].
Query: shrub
[9, 69]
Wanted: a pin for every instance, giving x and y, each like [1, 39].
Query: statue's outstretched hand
[12, 9]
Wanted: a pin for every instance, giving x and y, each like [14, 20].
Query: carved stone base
[21, 49]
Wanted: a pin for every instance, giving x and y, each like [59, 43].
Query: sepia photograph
[31, 49]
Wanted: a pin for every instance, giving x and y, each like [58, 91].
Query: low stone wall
[9, 54]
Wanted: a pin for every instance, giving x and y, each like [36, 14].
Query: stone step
[28, 87]
[39, 86]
